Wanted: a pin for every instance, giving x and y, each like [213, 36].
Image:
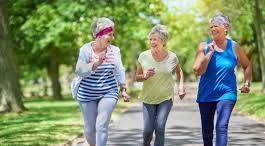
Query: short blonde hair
[100, 24]
[162, 31]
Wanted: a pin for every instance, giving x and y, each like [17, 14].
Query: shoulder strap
[206, 49]
[233, 45]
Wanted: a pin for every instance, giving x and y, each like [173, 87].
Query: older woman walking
[100, 67]
[156, 69]
[215, 62]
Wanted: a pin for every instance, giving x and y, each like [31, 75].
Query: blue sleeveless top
[219, 80]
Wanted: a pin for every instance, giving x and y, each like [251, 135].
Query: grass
[253, 103]
[46, 123]
[49, 122]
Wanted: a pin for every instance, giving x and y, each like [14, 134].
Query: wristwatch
[247, 84]
[123, 89]
[145, 76]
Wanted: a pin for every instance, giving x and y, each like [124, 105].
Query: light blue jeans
[97, 115]
[155, 118]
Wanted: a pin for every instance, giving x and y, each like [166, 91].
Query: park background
[40, 41]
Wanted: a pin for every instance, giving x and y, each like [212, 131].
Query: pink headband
[104, 31]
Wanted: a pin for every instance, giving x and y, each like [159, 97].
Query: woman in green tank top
[156, 69]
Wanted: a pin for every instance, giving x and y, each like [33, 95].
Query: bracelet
[145, 76]
[181, 89]
[123, 89]
[247, 84]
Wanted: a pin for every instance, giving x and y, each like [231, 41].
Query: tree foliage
[49, 33]
[242, 16]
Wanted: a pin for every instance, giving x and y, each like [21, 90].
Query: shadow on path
[183, 127]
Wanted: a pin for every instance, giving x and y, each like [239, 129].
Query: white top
[86, 60]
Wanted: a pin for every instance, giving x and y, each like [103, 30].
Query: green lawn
[252, 104]
[50, 122]
[46, 122]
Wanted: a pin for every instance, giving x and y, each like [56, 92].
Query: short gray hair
[100, 24]
[220, 18]
[162, 31]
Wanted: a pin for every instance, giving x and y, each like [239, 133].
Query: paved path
[183, 127]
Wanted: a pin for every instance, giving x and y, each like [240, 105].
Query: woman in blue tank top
[215, 64]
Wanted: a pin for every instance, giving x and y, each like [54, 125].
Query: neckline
[163, 60]
[226, 47]
[92, 49]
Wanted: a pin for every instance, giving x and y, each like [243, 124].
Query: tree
[250, 18]
[181, 26]
[46, 35]
[247, 18]
[49, 33]
[10, 93]
[260, 34]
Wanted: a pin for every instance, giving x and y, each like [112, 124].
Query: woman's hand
[150, 72]
[125, 96]
[101, 58]
[245, 89]
[181, 93]
[211, 46]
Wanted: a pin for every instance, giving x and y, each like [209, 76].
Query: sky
[183, 4]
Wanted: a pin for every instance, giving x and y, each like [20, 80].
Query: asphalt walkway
[183, 127]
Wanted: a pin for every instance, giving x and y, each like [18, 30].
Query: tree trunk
[45, 87]
[10, 92]
[260, 34]
[132, 66]
[53, 71]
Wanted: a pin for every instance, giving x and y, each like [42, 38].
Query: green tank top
[159, 87]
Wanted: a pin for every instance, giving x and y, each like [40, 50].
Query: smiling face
[218, 30]
[106, 39]
[155, 41]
